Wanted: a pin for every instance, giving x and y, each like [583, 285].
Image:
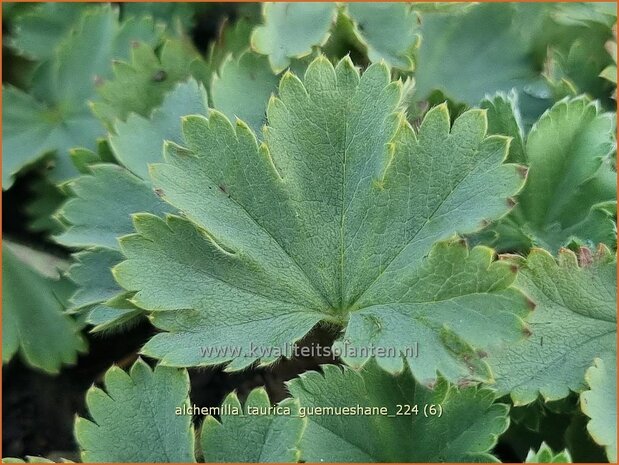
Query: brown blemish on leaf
[530, 304]
[511, 202]
[526, 331]
[585, 258]
[522, 171]
[159, 192]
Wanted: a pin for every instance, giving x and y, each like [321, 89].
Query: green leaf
[91, 272]
[546, 455]
[466, 430]
[504, 118]
[98, 295]
[388, 30]
[33, 129]
[139, 141]
[176, 15]
[251, 433]
[455, 57]
[54, 117]
[134, 419]
[276, 237]
[569, 196]
[102, 204]
[242, 89]
[600, 404]
[573, 323]
[38, 32]
[46, 198]
[584, 13]
[140, 86]
[290, 30]
[568, 152]
[33, 322]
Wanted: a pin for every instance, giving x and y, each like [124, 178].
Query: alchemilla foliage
[429, 187]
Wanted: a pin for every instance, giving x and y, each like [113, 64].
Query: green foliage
[546, 455]
[247, 437]
[434, 177]
[474, 421]
[33, 301]
[600, 404]
[137, 408]
[233, 241]
[54, 116]
[574, 322]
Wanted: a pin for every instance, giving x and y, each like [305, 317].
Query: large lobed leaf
[331, 219]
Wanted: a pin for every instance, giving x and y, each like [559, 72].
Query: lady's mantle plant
[295, 179]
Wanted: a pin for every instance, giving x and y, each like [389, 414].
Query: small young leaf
[546, 455]
[134, 419]
[140, 86]
[388, 30]
[290, 30]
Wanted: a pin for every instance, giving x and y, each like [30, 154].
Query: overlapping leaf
[134, 419]
[600, 404]
[54, 117]
[290, 30]
[33, 322]
[571, 187]
[249, 433]
[466, 430]
[574, 322]
[331, 219]
[546, 455]
[471, 54]
[140, 86]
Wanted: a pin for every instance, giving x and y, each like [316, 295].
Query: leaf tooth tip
[523, 171]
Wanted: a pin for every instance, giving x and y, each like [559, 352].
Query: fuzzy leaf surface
[574, 322]
[253, 437]
[600, 404]
[133, 417]
[290, 30]
[388, 30]
[332, 218]
[474, 422]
